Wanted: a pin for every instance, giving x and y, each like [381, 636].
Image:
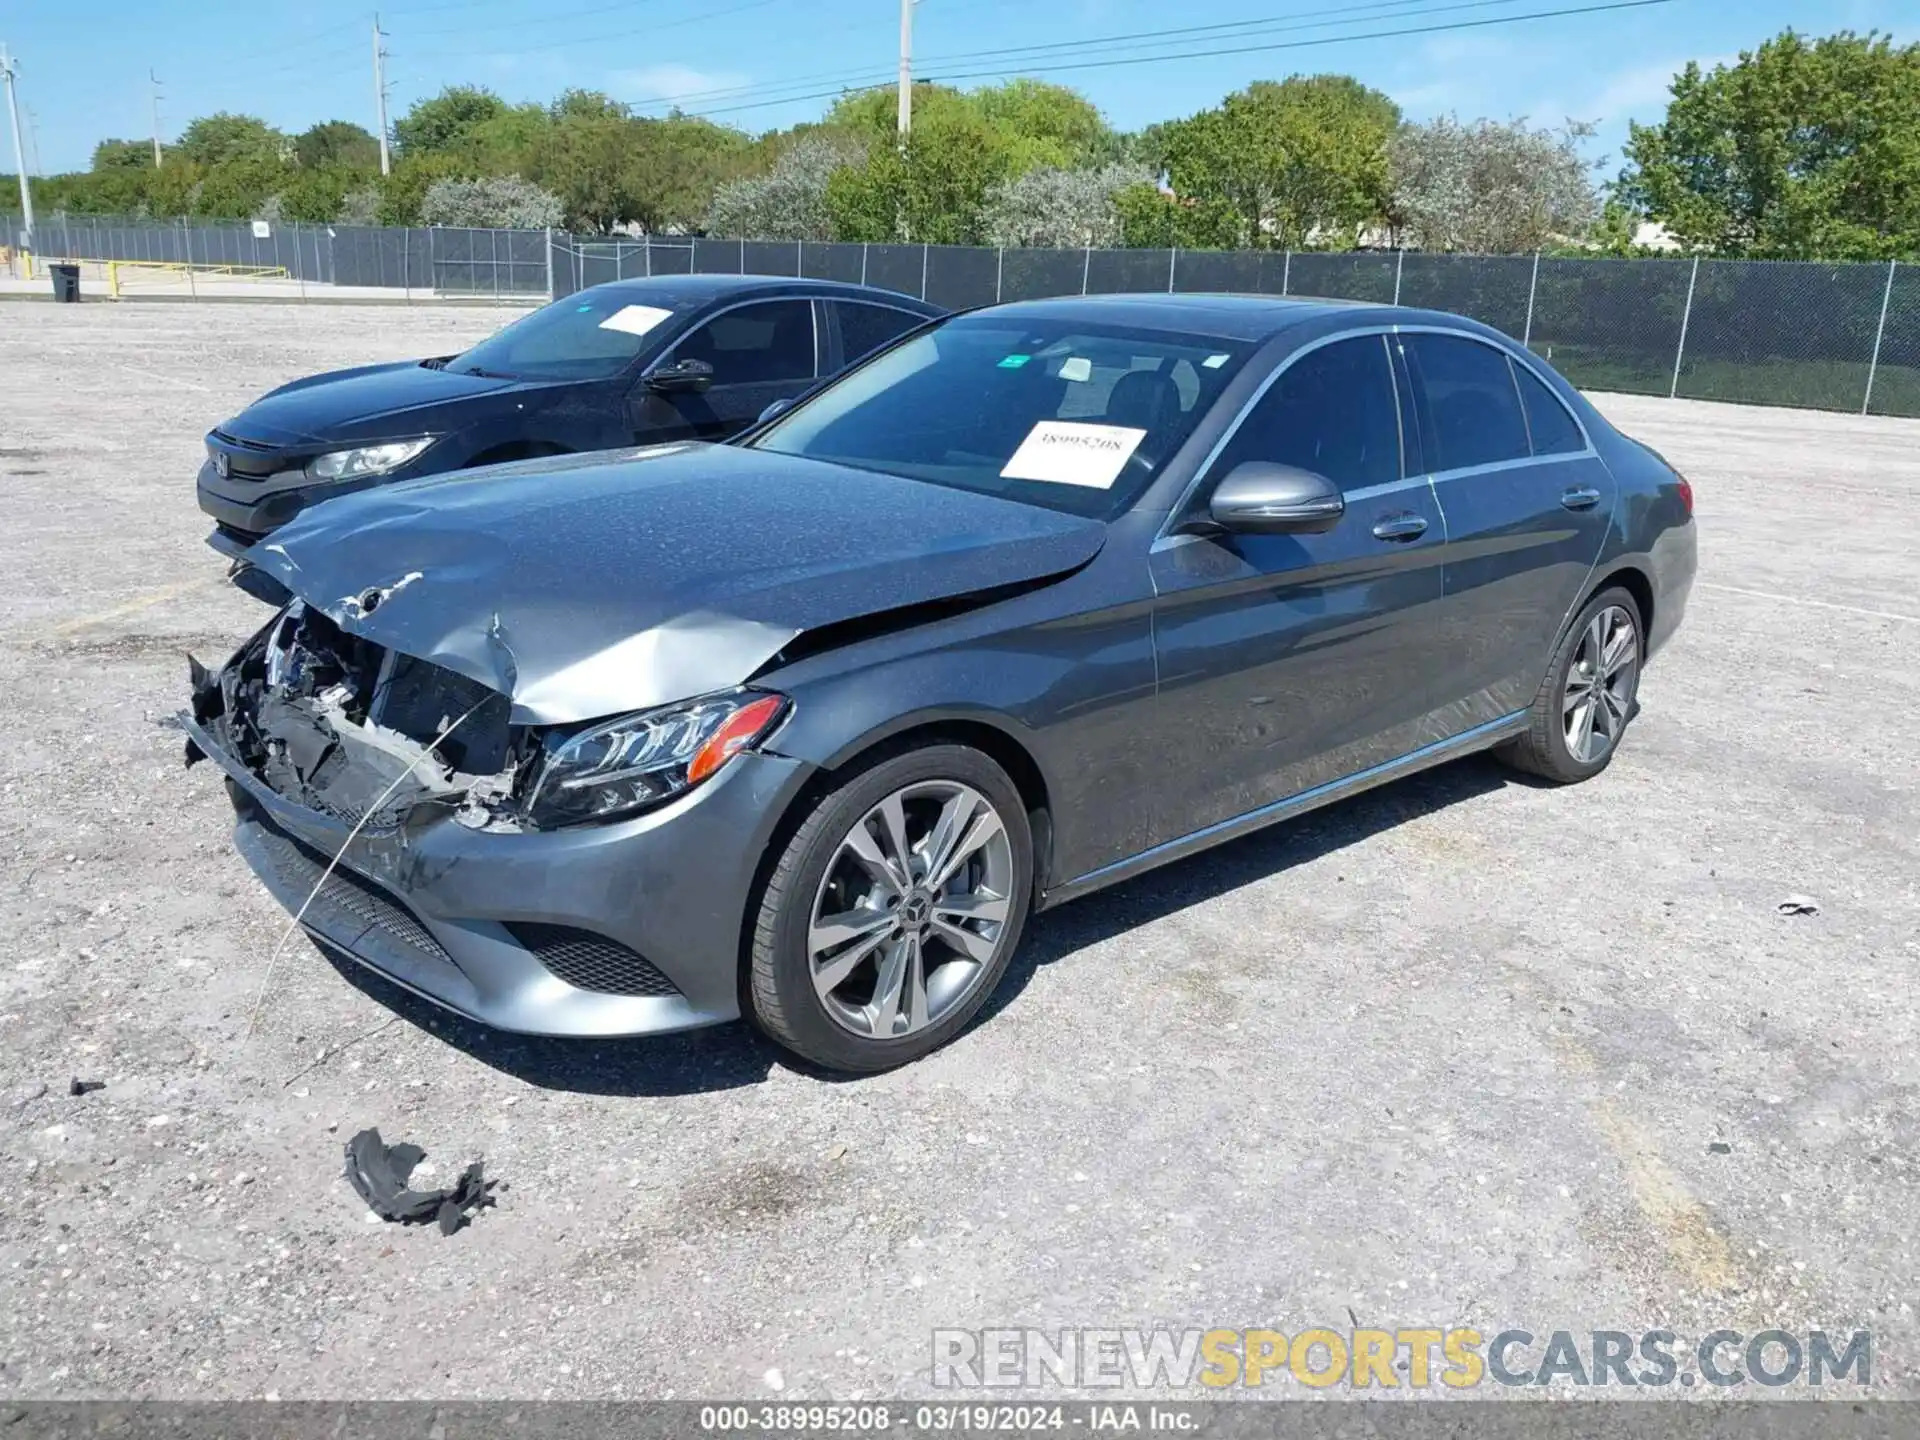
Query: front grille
[234, 440]
[588, 961]
[345, 893]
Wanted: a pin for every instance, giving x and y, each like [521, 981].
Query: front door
[1527, 505]
[1288, 661]
[760, 353]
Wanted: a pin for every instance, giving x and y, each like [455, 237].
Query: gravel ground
[1462, 1052]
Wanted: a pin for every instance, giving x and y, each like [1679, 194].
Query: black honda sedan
[806, 725]
[695, 357]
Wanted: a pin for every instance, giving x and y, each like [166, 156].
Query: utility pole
[380, 91]
[155, 80]
[8, 69]
[906, 68]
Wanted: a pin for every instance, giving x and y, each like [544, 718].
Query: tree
[1050, 206]
[438, 123]
[123, 155]
[1491, 188]
[1300, 162]
[1151, 218]
[1047, 125]
[336, 142]
[1802, 149]
[501, 202]
[223, 139]
[789, 202]
[929, 191]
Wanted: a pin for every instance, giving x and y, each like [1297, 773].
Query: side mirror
[682, 377]
[778, 407]
[1258, 498]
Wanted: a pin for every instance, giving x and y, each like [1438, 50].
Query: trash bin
[66, 283]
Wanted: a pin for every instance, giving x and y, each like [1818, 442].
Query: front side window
[1072, 416]
[766, 344]
[1552, 427]
[1333, 412]
[1470, 404]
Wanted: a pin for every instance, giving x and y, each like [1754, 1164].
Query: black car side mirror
[682, 377]
[1260, 498]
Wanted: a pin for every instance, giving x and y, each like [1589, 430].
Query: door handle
[1400, 527]
[1581, 497]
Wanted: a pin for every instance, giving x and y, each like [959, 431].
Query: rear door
[1288, 661]
[760, 352]
[858, 329]
[1527, 504]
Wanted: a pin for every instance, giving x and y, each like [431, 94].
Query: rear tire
[892, 913]
[1589, 696]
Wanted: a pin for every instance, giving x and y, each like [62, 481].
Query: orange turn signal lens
[742, 728]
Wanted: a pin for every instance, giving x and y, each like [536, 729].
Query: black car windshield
[590, 336]
[1056, 412]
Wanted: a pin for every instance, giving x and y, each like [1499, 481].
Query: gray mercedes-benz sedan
[804, 727]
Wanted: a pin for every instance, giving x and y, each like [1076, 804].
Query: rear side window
[1333, 412]
[1553, 427]
[1470, 405]
[865, 328]
[765, 344]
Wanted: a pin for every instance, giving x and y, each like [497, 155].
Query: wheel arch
[1637, 583]
[992, 735]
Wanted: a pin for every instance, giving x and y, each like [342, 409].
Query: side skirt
[1468, 742]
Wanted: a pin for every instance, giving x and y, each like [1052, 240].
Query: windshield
[590, 336]
[1060, 413]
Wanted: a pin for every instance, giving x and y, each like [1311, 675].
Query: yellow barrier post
[28, 257]
[113, 279]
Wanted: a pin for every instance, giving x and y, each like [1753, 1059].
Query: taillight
[1686, 493]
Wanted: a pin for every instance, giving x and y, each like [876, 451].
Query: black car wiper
[486, 374]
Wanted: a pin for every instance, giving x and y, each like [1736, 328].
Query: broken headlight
[367, 460]
[620, 766]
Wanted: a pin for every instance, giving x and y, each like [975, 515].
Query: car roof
[677, 291]
[1255, 318]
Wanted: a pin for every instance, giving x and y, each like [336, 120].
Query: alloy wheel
[912, 911]
[1598, 700]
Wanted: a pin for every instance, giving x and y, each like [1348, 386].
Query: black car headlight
[620, 766]
[366, 460]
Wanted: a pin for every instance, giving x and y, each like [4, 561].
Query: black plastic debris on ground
[77, 1086]
[379, 1174]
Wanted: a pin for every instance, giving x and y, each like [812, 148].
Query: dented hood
[586, 586]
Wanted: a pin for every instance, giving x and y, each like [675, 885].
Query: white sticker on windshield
[635, 319]
[1063, 452]
[1078, 367]
[1214, 362]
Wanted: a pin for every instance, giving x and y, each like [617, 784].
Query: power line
[1207, 54]
[706, 18]
[1113, 44]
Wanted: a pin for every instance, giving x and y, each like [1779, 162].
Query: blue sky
[84, 72]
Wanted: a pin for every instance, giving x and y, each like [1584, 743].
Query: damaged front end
[372, 737]
[360, 733]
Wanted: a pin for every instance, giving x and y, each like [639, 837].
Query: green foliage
[1152, 219]
[1298, 163]
[123, 155]
[1490, 187]
[1802, 148]
[929, 191]
[438, 123]
[226, 139]
[336, 143]
[503, 202]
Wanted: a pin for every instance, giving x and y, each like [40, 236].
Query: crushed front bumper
[487, 923]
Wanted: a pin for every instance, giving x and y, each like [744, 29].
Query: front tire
[1589, 696]
[892, 913]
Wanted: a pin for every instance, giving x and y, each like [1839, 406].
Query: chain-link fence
[1824, 336]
